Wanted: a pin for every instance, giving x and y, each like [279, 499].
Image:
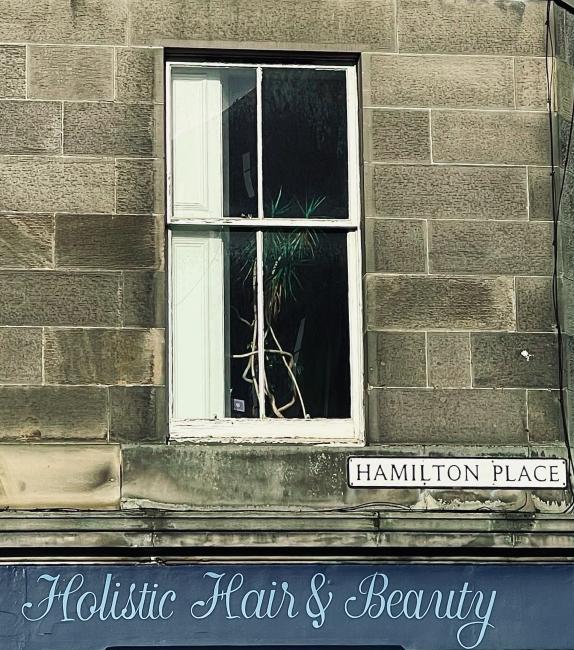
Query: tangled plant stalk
[284, 252]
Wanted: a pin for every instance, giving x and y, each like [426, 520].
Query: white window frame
[348, 431]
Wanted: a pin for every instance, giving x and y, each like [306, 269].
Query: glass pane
[214, 145]
[306, 324]
[242, 310]
[304, 116]
[214, 350]
[239, 142]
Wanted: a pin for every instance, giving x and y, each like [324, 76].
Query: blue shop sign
[327, 606]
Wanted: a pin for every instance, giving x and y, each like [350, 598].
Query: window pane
[239, 142]
[214, 142]
[306, 324]
[214, 352]
[304, 116]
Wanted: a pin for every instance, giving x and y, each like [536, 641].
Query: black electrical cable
[556, 203]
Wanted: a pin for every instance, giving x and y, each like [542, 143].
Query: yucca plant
[284, 252]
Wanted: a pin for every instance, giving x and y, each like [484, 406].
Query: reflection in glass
[306, 324]
[239, 142]
[305, 160]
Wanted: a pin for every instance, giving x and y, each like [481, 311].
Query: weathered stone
[566, 160]
[101, 356]
[442, 192]
[544, 416]
[56, 185]
[144, 302]
[531, 84]
[30, 127]
[534, 308]
[449, 359]
[472, 499]
[26, 241]
[245, 475]
[20, 355]
[396, 135]
[56, 72]
[568, 354]
[395, 245]
[566, 208]
[551, 501]
[62, 21]
[12, 71]
[440, 81]
[540, 193]
[564, 79]
[138, 414]
[396, 359]
[53, 412]
[139, 75]
[140, 186]
[514, 360]
[490, 247]
[488, 27]
[39, 476]
[566, 235]
[439, 303]
[509, 137]
[108, 242]
[108, 129]
[447, 416]
[356, 24]
[566, 301]
[59, 298]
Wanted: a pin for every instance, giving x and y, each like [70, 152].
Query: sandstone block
[449, 359]
[472, 27]
[138, 414]
[416, 302]
[395, 245]
[436, 416]
[45, 298]
[396, 135]
[396, 358]
[108, 242]
[139, 75]
[509, 137]
[30, 127]
[26, 240]
[443, 192]
[144, 303]
[103, 356]
[544, 418]
[12, 71]
[531, 83]
[53, 413]
[360, 24]
[140, 186]
[443, 81]
[76, 73]
[39, 476]
[514, 360]
[534, 308]
[20, 355]
[108, 129]
[29, 184]
[490, 247]
[62, 21]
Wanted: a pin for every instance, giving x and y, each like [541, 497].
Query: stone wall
[457, 248]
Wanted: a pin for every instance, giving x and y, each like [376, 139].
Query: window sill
[318, 431]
